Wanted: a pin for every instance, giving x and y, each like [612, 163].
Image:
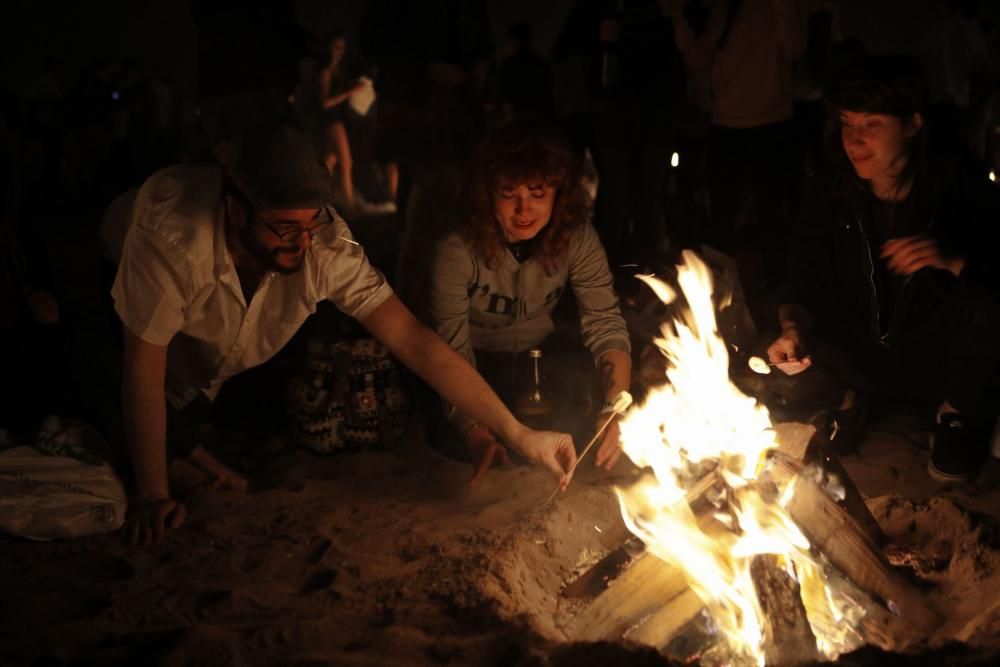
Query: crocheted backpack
[349, 397]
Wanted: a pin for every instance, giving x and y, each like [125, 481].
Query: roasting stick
[618, 407]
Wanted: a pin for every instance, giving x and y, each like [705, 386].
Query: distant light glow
[993, 176]
[675, 159]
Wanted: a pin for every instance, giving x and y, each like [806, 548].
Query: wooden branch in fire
[651, 602]
[788, 637]
[595, 580]
[832, 531]
[632, 597]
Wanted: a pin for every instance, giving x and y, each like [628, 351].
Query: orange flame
[697, 419]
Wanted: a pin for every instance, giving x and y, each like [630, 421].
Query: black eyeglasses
[321, 221]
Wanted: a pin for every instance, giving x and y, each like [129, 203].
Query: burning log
[596, 578]
[667, 621]
[853, 502]
[803, 443]
[788, 637]
[647, 587]
[651, 602]
[838, 536]
[752, 557]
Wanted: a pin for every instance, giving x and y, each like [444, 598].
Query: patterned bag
[349, 397]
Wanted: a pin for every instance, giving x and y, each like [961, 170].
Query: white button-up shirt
[177, 283]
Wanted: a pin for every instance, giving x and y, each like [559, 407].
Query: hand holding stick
[618, 407]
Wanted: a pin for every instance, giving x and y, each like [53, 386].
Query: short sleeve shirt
[177, 284]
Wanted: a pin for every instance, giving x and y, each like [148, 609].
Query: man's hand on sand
[551, 450]
[148, 519]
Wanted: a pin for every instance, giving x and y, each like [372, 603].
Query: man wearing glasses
[219, 268]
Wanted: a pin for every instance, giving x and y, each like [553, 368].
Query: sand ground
[389, 558]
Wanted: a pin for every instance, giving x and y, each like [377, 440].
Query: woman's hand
[485, 451]
[908, 255]
[615, 369]
[611, 446]
[786, 353]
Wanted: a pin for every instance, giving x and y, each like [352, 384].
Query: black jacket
[831, 268]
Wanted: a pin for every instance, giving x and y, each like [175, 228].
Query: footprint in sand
[106, 570]
[209, 603]
[280, 484]
[319, 580]
[56, 576]
[70, 606]
[317, 549]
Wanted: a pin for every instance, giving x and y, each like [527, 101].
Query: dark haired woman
[495, 284]
[892, 263]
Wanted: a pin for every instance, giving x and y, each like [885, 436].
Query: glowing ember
[699, 421]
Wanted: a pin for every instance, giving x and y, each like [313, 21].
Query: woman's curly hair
[527, 150]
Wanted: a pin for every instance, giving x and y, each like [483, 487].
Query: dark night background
[160, 34]
[386, 555]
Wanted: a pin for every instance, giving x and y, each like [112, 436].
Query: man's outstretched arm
[145, 414]
[427, 355]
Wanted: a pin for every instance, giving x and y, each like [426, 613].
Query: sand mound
[956, 553]
[389, 558]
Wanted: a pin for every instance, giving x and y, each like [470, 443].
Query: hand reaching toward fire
[551, 450]
[786, 352]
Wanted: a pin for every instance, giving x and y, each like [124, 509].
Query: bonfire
[699, 426]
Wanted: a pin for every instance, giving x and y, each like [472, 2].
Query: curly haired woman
[495, 283]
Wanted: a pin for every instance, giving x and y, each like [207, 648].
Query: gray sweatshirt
[509, 308]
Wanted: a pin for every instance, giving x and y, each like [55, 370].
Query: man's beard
[267, 258]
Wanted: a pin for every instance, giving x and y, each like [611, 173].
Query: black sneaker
[957, 449]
